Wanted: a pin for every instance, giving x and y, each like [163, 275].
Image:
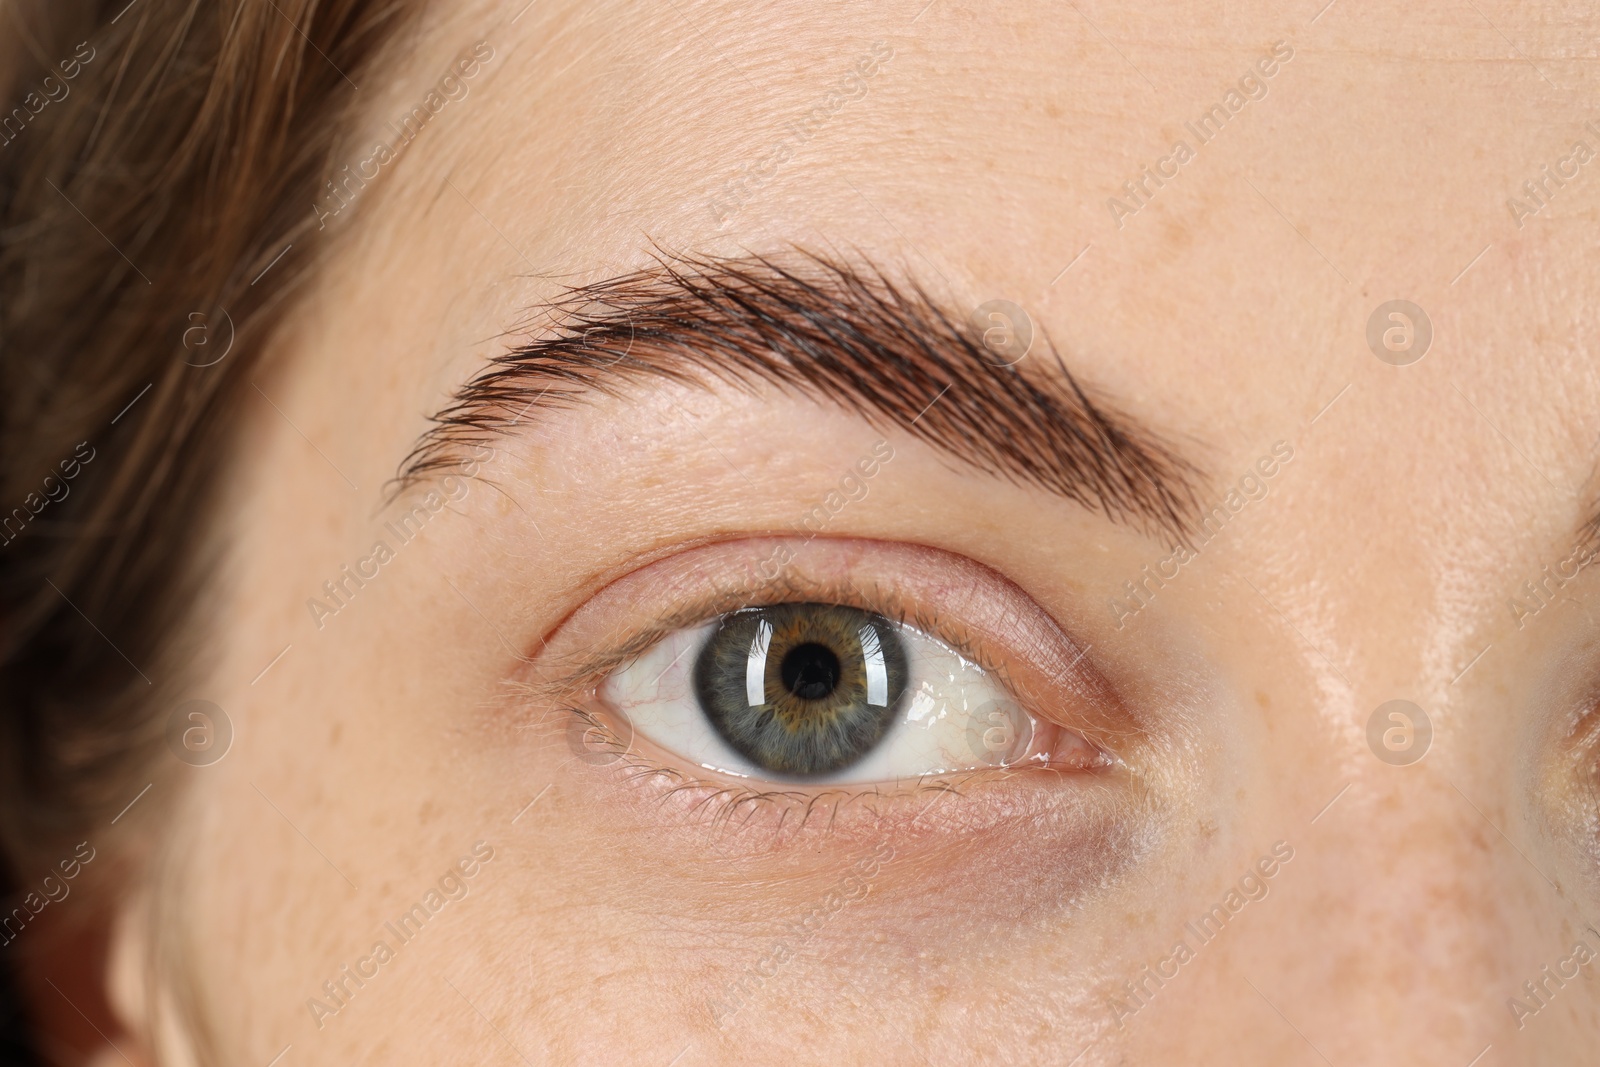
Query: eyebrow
[838, 333]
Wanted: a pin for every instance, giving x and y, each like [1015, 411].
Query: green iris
[802, 689]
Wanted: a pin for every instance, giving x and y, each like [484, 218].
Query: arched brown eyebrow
[839, 334]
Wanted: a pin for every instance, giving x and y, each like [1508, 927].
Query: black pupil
[810, 671]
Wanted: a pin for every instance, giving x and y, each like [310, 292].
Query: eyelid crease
[837, 333]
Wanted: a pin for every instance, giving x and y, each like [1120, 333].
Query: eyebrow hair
[836, 333]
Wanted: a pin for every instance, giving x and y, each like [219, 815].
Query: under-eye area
[1010, 848]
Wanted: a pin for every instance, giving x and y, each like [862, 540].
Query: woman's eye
[827, 692]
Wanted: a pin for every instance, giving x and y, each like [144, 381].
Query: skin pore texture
[628, 910]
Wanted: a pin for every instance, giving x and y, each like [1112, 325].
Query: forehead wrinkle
[838, 334]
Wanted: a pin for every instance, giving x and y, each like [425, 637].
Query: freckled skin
[617, 924]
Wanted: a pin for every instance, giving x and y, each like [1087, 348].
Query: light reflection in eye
[755, 669]
[820, 693]
[877, 673]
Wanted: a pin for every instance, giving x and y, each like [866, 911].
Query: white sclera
[942, 722]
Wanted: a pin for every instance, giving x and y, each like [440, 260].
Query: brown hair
[148, 176]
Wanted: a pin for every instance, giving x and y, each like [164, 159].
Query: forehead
[986, 146]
